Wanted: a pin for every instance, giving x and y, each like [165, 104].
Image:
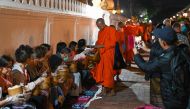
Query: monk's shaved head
[100, 23]
[100, 20]
[120, 25]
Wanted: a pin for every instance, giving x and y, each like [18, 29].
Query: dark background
[157, 9]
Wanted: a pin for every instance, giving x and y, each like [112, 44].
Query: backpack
[180, 72]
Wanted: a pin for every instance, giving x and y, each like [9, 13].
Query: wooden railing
[59, 6]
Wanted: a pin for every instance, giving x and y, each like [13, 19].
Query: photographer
[155, 51]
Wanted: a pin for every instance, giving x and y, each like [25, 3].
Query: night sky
[157, 9]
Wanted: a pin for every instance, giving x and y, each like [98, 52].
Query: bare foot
[111, 93]
[104, 92]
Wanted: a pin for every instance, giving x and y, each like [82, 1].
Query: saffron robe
[121, 39]
[103, 73]
[130, 31]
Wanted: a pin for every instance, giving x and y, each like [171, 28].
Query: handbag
[119, 63]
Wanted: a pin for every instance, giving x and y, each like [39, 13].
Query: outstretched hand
[135, 51]
[27, 95]
[17, 99]
[144, 47]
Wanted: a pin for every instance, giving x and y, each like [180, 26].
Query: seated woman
[76, 88]
[72, 47]
[56, 93]
[40, 53]
[81, 45]
[38, 97]
[19, 71]
[82, 65]
[6, 63]
[48, 54]
[66, 56]
[49, 50]
[31, 64]
[20, 74]
[60, 47]
[11, 100]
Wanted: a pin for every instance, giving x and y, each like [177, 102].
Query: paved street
[132, 92]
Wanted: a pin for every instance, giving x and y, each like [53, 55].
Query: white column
[56, 4]
[75, 5]
[52, 3]
[37, 3]
[47, 31]
[60, 2]
[82, 8]
[63, 5]
[47, 3]
[42, 3]
[78, 7]
[69, 5]
[24, 1]
[66, 5]
[31, 2]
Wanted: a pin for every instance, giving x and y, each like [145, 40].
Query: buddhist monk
[119, 49]
[131, 31]
[121, 38]
[148, 31]
[104, 72]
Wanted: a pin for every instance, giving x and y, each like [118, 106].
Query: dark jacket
[162, 65]
[156, 51]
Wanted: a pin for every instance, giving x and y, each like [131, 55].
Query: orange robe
[130, 31]
[140, 31]
[103, 73]
[120, 37]
[147, 34]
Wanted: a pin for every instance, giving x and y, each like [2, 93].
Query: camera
[138, 42]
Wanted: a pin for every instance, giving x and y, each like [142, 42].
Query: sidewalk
[132, 92]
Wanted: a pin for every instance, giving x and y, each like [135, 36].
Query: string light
[114, 11]
[185, 14]
[122, 11]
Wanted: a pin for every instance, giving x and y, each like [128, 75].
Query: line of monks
[108, 36]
